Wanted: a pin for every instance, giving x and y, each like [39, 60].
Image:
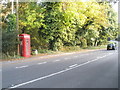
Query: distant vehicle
[112, 45]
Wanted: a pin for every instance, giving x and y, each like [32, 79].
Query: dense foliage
[9, 36]
[53, 25]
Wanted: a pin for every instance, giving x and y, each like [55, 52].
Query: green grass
[96, 47]
[70, 48]
[77, 48]
[45, 51]
[8, 57]
[63, 50]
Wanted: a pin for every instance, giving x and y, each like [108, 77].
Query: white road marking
[110, 53]
[22, 66]
[42, 63]
[103, 56]
[99, 57]
[56, 60]
[66, 58]
[75, 56]
[53, 74]
[73, 65]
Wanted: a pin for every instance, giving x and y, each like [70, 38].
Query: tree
[30, 21]
[53, 25]
[9, 36]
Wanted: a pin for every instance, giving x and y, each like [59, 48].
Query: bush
[45, 51]
[70, 48]
[9, 36]
[9, 43]
[83, 43]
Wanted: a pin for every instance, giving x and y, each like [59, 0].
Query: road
[93, 69]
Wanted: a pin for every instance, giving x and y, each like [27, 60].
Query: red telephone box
[25, 45]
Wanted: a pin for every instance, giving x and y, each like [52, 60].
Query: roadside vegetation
[59, 26]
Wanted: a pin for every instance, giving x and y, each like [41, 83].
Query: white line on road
[75, 56]
[110, 53]
[103, 56]
[66, 58]
[56, 60]
[22, 66]
[73, 65]
[53, 74]
[42, 63]
[99, 57]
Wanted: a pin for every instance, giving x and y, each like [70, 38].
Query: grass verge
[43, 52]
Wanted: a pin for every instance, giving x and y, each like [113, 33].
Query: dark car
[111, 46]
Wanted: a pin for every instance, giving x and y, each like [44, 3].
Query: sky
[115, 7]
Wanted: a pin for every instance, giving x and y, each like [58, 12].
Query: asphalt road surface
[93, 69]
